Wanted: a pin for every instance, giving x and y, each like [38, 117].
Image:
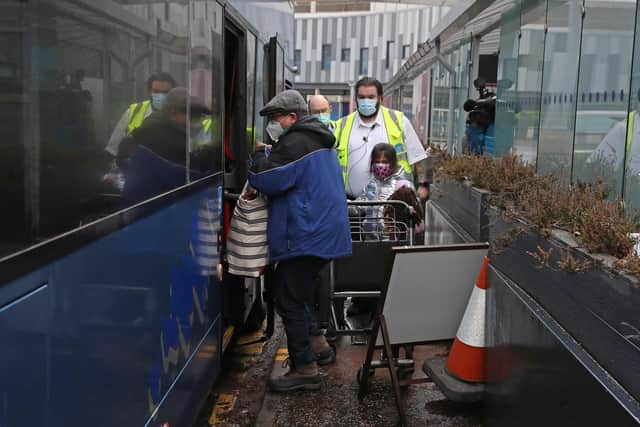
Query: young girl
[387, 177]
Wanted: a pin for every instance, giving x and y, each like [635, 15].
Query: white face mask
[157, 99]
[274, 130]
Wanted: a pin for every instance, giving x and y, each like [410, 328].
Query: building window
[326, 56]
[406, 51]
[345, 55]
[389, 50]
[296, 57]
[364, 61]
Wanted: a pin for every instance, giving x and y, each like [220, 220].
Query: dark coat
[160, 135]
[308, 205]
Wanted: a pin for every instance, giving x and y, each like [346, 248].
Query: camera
[482, 111]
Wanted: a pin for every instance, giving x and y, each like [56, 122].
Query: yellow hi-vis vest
[206, 124]
[136, 115]
[395, 133]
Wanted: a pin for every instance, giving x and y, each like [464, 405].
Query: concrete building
[338, 42]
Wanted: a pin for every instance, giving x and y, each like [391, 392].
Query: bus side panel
[23, 359]
[126, 317]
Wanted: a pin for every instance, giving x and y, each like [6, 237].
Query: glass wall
[439, 105]
[570, 106]
[603, 91]
[631, 189]
[507, 95]
[529, 79]
[420, 107]
[559, 82]
[77, 86]
[461, 64]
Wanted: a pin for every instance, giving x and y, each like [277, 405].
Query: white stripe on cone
[471, 330]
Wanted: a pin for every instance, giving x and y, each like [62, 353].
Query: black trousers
[294, 289]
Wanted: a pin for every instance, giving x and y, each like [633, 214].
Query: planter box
[599, 309]
[466, 205]
[539, 375]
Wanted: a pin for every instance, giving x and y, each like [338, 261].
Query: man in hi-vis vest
[360, 131]
[159, 85]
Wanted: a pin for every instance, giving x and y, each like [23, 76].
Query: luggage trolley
[376, 227]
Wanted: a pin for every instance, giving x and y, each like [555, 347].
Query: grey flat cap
[177, 99]
[289, 101]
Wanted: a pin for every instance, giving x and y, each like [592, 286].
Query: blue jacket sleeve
[269, 177]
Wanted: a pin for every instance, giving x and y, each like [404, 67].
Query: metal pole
[452, 92]
[352, 94]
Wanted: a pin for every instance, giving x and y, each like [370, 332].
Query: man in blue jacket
[308, 225]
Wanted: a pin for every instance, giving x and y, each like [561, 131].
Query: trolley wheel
[404, 374]
[360, 375]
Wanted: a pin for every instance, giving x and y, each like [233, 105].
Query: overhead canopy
[466, 20]
[323, 6]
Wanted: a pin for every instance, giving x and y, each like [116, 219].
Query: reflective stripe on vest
[630, 121]
[395, 134]
[137, 114]
[206, 124]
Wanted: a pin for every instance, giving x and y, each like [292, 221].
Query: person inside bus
[158, 86]
[308, 225]
[153, 157]
[320, 108]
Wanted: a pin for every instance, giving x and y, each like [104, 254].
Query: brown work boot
[305, 377]
[323, 351]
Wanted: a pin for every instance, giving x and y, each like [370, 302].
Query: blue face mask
[325, 118]
[157, 99]
[367, 107]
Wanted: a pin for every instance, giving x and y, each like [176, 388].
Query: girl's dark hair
[388, 152]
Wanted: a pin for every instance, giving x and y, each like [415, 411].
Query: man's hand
[261, 145]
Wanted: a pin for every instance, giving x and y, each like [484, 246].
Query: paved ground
[245, 401]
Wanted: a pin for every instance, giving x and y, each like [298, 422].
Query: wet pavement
[336, 404]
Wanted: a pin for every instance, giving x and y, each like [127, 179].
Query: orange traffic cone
[467, 355]
[460, 377]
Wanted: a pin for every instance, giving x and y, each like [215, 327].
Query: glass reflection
[77, 86]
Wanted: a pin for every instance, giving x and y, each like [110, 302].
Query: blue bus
[114, 300]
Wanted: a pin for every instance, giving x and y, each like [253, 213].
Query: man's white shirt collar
[379, 120]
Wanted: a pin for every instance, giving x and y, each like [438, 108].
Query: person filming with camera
[481, 114]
